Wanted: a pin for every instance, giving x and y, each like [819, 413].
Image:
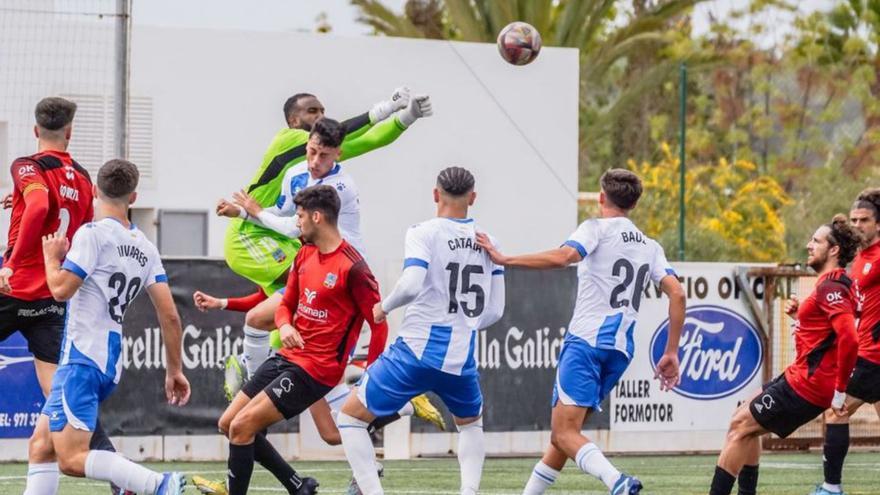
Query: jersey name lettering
[628, 236]
[128, 251]
[68, 192]
[463, 243]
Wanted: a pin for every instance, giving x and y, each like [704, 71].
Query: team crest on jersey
[866, 269]
[330, 280]
[68, 172]
[279, 255]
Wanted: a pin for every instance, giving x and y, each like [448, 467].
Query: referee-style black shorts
[780, 410]
[864, 384]
[41, 322]
[290, 388]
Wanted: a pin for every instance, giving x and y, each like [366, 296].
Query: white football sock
[42, 479]
[110, 466]
[336, 396]
[406, 410]
[591, 461]
[542, 478]
[256, 348]
[360, 453]
[471, 453]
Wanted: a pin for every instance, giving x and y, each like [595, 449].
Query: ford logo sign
[720, 352]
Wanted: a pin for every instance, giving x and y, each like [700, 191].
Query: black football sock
[722, 482]
[269, 458]
[836, 447]
[100, 440]
[241, 466]
[747, 481]
[382, 422]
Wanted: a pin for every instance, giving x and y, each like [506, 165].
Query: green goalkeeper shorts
[259, 255]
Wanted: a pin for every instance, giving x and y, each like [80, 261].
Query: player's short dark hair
[118, 178]
[292, 104]
[455, 181]
[845, 236]
[330, 132]
[622, 187]
[869, 199]
[321, 198]
[54, 113]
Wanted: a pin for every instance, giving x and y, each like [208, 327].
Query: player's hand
[5, 275]
[55, 246]
[379, 314]
[290, 338]
[204, 302]
[838, 404]
[495, 255]
[177, 389]
[227, 209]
[419, 106]
[7, 201]
[399, 98]
[791, 306]
[382, 110]
[667, 371]
[247, 202]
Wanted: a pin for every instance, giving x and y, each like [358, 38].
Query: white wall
[217, 98]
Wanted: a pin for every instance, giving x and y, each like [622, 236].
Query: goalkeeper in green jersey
[263, 255]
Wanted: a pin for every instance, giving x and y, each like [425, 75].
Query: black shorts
[780, 410]
[41, 322]
[290, 388]
[865, 381]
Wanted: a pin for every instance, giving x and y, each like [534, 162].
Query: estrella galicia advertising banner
[138, 405]
[720, 351]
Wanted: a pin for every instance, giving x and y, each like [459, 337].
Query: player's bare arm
[204, 302]
[246, 202]
[62, 283]
[792, 305]
[668, 366]
[177, 389]
[553, 258]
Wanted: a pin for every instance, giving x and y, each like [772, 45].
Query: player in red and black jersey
[52, 193]
[330, 292]
[864, 385]
[825, 339]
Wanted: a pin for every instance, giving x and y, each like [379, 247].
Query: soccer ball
[519, 43]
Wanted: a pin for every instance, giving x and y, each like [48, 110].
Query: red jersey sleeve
[844, 325]
[27, 176]
[246, 303]
[290, 301]
[31, 185]
[365, 292]
[834, 298]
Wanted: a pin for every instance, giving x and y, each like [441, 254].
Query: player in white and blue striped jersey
[453, 289]
[108, 264]
[615, 262]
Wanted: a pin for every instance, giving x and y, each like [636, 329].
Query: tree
[635, 51]
[732, 213]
